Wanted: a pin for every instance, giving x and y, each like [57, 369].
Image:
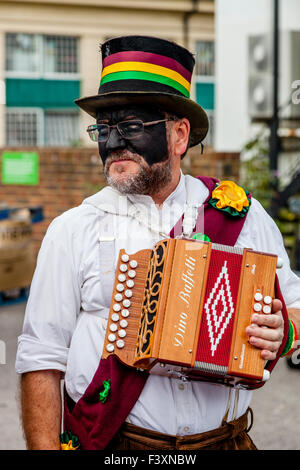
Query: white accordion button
[120, 287]
[128, 293]
[125, 258]
[125, 313]
[131, 273]
[257, 307]
[122, 333]
[123, 268]
[126, 303]
[120, 343]
[113, 327]
[130, 283]
[267, 299]
[118, 297]
[112, 337]
[123, 324]
[267, 309]
[133, 263]
[122, 277]
[115, 317]
[258, 296]
[110, 348]
[116, 307]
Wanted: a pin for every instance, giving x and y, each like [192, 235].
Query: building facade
[49, 56]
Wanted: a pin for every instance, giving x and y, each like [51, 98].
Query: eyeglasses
[127, 129]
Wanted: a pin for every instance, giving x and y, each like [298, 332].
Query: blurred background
[247, 78]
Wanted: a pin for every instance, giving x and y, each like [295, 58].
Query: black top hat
[148, 70]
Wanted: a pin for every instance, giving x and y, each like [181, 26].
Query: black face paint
[151, 145]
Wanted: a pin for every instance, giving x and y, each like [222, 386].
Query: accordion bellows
[181, 310]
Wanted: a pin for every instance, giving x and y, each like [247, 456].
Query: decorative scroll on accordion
[182, 309]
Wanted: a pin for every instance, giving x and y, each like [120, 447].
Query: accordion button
[118, 297]
[258, 296]
[113, 327]
[120, 287]
[112, 338]
[128, 293]
[123, 324]
[130, 283]
[115, 317]
[122, 277]
[131, 273]
[110, 348]
[257, 307]
[133, 263]
[125, 313]
[120, 343]
[267, 299]
[125, 258]
[123, 268]
[267, 309]
[126, 303]
[122, 333]
[116, 307]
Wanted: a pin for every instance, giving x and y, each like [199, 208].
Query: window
[61, 128]
[61, 54]
[23, 127]
[40, 55]
[22, 53]
[205, 58]
[35, 127]
[205, 83]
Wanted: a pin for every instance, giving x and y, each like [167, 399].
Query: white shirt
[67, 310]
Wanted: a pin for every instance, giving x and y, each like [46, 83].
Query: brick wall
[67, 176]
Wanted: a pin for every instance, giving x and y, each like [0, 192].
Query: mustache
[118, 156]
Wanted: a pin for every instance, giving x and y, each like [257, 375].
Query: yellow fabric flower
[230, 194]
[68, 446]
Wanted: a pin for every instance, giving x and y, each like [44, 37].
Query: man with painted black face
[136, 154]
[145, 122]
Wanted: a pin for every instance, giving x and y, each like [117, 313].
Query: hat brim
[180, 106]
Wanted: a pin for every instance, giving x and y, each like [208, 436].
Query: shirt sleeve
[260, 232]
[53, 304]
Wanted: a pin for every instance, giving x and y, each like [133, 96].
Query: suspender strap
[107, 252]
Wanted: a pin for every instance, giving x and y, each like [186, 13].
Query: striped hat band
[140, 65]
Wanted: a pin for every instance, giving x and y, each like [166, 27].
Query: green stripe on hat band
[129, 75]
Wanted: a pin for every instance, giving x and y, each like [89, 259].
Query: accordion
[181, 310]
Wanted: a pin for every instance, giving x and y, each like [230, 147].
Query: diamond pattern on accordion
[121, 305]
[217, 323]
[215, 335]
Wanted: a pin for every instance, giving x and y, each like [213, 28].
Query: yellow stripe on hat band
[146, 67]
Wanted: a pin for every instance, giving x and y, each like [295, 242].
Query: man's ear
[182, 136]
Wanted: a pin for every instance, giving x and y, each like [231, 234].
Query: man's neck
[160, 197]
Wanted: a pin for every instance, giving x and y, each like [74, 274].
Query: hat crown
[148, 44]
[145, 63]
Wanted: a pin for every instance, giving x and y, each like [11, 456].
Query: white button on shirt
[67, 310]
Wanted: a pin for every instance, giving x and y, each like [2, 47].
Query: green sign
[20, 168]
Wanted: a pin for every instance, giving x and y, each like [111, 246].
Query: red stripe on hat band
[149, 57]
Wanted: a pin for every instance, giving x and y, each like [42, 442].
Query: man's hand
[267, 339]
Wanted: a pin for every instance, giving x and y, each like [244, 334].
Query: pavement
[276, 406]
